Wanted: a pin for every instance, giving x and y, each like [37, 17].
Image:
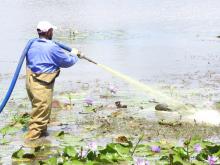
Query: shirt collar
[44, 40]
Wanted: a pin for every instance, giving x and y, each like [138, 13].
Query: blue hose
[18, 69]
[63, 46]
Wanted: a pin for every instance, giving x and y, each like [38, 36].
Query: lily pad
[70, 151]
[21, 153]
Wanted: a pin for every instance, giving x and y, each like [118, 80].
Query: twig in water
[135, 147]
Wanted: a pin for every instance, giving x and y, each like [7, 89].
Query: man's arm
[61, 59]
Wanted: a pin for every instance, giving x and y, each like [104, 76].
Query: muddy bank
[153, 130]
[116, 124]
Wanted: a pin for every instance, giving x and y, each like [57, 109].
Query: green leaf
[71, 163]
[213, 149]
[110, 158]
[94, 163]
[196, 162]
[164, 157]
[74, 162]
[22, 154]
[4, 141]
[180, 152]
[51, 161]
[202, 156]
[60, 134]
[179, 161]
[91, 155]
[108, 149]
[206, 143]
[90, 108]
[70, 151]
[22, 119]
[8, 130]
[116, 148]
[18, 154]
[121, 149]
[70, 140]
[143, 150]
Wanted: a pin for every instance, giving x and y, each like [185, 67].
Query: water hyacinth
[212, 160]
[82, 154]
[92, 146]
[155, 149]
[112, 89]
[89, 101]
[140, 161]
[197, 148]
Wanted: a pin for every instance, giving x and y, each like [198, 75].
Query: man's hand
[80, 55]
[75, 51]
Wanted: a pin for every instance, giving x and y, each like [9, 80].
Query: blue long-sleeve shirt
[44, 56]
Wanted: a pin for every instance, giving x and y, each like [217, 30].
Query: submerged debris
[119, 105]
[122, 139]
[56, 104]
[169, 123]
[162, 107]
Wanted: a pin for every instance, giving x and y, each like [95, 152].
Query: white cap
[44, 26]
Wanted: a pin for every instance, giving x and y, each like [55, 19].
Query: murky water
[169, 45]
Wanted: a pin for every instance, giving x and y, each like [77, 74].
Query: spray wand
[82, 56]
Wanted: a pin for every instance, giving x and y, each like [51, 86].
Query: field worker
[44, 60]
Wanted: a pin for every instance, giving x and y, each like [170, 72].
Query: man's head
[45, 30]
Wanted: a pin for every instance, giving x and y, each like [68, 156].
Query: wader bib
[40, 92]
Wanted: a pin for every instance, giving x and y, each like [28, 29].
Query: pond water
[139, 38]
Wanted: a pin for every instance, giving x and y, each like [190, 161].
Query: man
[44, 60]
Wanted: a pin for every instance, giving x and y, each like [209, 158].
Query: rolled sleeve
[61, 59]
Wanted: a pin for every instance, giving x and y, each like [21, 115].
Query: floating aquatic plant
[197, 148]
[155, 149]
[82, 153]
[140, 161]
[92, 146]
[212, 160]
[192, 152]
[89, 101]
[112, 89]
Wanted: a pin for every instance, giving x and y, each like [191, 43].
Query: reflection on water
[90, 36]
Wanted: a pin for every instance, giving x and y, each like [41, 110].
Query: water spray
[151, 91]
